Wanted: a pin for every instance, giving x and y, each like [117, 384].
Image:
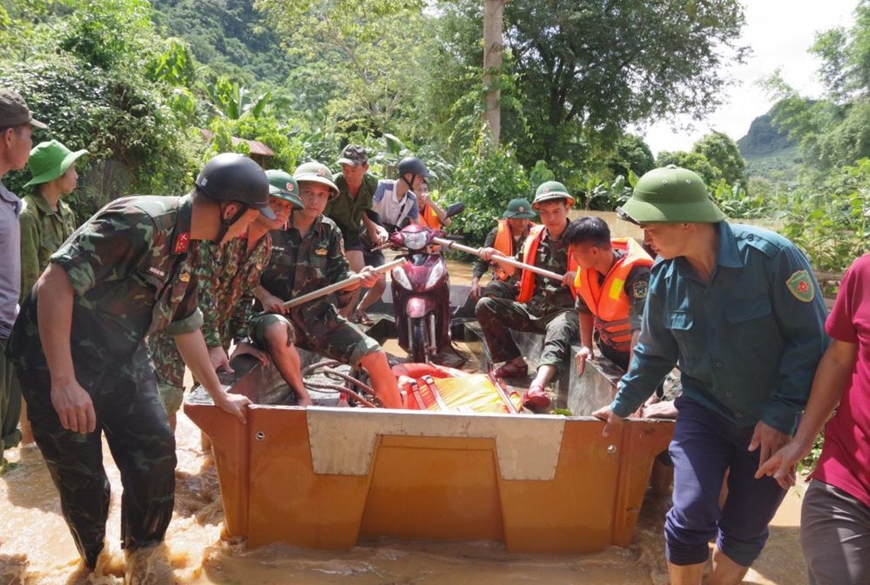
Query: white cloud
[780, 32]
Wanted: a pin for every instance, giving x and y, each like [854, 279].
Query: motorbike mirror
[455, 209]
[374, 216]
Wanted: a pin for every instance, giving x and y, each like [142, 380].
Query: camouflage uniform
[226, 278]
[42, 233]
[131, 270]
[550, 311]
[347, 211]
[299, 265]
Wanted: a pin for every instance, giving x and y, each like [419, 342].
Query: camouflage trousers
[131, 415]
[335, 338]
[169, 369]
[497, 317]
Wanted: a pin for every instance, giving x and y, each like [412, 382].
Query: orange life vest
[504, 243]
[429, 218]
[530, 249]
[608, 301]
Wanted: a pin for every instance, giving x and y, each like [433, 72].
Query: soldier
[226, 279]
[16, 127]
[507, 237]
[46, 220]
[356, 188]
[80, 352]
[611, 285]
[542, 305]
[308, 256]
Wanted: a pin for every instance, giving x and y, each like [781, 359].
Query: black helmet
[235, 177]
[413, 165]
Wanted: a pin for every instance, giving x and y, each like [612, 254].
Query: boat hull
[329, 478]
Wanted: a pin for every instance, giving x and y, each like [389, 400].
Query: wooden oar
[501, 259]
[322, 292]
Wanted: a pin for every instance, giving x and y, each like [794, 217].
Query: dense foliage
[140, 84]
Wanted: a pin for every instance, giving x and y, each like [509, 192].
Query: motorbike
[421, 291]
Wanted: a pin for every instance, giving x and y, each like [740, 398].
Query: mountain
[229, 36]
[768, 152]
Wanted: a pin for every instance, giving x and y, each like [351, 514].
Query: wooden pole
[322, 292]
[502, 259]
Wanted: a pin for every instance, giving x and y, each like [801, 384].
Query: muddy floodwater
[36, 547]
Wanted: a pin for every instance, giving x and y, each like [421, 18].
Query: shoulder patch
[640, 289]
[801, 286]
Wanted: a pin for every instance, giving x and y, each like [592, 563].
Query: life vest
[530, 249]
[504, 243]
[429, 218]
[608, 301]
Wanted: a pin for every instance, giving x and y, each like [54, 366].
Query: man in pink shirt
[835, 518]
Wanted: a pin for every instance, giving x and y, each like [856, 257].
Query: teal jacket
[747, 343]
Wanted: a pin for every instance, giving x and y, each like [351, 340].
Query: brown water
[36, 548]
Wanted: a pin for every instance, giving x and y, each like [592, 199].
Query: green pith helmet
[316, 172]
[671, 194]
[284, 186]
[519, 209]
[49, 160]
[550, 191]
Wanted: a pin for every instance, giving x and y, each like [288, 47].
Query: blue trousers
[704, 446]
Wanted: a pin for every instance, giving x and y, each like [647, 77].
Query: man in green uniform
[46, 220]
[307, 256]
[356, 187]
[507, 237]
[543, 305]
[80, 352]
[226, 279]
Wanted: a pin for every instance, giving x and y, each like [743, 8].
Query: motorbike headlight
[416, 241]
[435, 275]
[401, 278]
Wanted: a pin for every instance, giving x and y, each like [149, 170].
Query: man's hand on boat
[234, 404]
[583, 354]
[73, 406]
[611, 420]
[245, 348]
[219, 359]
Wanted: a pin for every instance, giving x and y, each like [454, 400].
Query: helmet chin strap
[410, 183]
[226, 224]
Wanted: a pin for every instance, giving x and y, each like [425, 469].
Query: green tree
[632, 154]
[369, 53]
[724, 156]
[694, 161]
[588, 69]
[85, 72]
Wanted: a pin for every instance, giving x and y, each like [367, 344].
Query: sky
[779, 32]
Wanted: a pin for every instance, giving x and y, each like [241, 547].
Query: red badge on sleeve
[182, 242]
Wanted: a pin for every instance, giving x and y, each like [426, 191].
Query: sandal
[362, 318]
[535, 398]
[511, 370]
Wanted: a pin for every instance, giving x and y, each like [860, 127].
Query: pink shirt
[845, 460]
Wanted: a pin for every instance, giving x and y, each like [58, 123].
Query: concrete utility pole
[493, 47]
